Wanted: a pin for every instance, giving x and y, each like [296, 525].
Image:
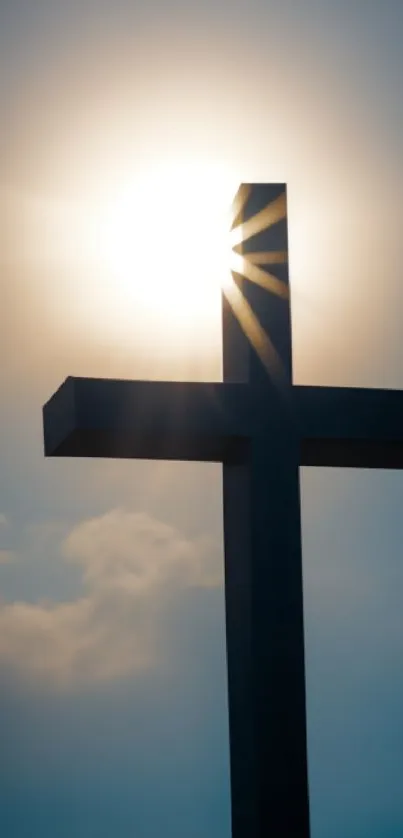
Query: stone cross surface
[261, 427]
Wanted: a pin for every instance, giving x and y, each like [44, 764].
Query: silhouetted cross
[261, 427]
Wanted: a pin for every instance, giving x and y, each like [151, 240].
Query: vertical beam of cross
[263, 557]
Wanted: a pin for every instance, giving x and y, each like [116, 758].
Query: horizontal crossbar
[214, 422]
[144, 420]
[350, 427]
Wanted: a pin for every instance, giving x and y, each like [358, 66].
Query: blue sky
[112, 651]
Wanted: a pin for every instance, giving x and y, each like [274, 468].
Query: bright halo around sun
[140, 260]
[164, 241]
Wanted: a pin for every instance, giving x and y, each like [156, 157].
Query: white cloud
[77, 642]
[134, 551]
[130, 562]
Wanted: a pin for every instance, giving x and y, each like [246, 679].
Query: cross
[262, 428]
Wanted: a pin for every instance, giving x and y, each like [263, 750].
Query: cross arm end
[141, 419]
[350, 427]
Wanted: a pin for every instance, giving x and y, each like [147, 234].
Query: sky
[113, 701]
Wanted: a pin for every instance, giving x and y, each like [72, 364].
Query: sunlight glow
[151, 257]
[255, 333]
[271, 257]
[271, 214]
[165, 241]
[144, 259]
[242, 265]
[239, 202]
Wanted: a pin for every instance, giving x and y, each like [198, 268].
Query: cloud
[132, 565]
[135, 552]
[3, 521]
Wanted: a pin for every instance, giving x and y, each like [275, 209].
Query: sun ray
[239, 202]
[271, 283]
[274, 212]
[255, 333]
[270, 257]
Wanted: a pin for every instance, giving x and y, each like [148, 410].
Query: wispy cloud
[131, 550]
[131, 565]
[3, 521]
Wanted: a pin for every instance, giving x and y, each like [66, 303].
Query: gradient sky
[112, 651]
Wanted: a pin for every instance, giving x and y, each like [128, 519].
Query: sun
[165, 242]
[143, 259]
[146, 261]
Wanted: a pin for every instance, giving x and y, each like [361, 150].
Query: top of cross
[257, 340]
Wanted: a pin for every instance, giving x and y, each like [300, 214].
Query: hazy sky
[112, 650]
